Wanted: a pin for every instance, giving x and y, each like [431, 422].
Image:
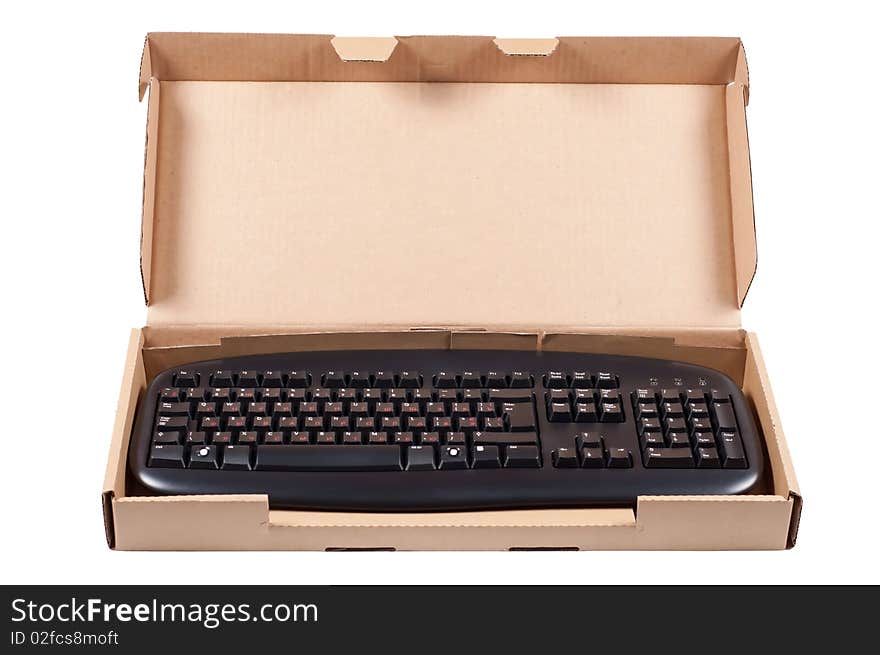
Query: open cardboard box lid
[567, 184]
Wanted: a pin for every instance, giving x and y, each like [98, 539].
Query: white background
[72, 157]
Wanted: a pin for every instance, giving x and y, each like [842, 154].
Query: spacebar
[328, 458]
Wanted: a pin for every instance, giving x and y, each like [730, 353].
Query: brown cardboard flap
[563, 197]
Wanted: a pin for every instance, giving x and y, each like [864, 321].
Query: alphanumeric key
[390, 424]
[326, 438]
[261, 422]
[322, 395]
[221, 437]
[471, 379]
[487, 457]
[429, 438]
[496, 379]
[383, 379]
[196, 438]
[186, 379]
[252, 436]
[441, 423]
[205, 409]
[273, 379]
[297, 396]
[365, 423]
[351, 438]
[203, 457]
[359, 379]
[397, 396]
[195, 393]
[679, 440]
[485, 409]
[707, 458]
[254, 409]
[472, 396]
[219, 394]
[174, 409]
[404, 438]
[605, 380]
[377, 438]
[672, 410]
[493, 424]
[675, 425]
[248, 379]
[288, 423]
[209, 423]
[456, 439]
[299, 437]
[703, 439]
[340, 423]
[445, 380]
[446, 396]
[409, 409]
[271, 395]
[245, 395]
[460, 409]
[384, 409]
[333, 409]
[313, 423]
[581, 380]
[308, 409]
[170, 438]
[371, 396]
[556, 380]
[280, 410]
[466, 423]
[409, 380]
[421, 396]
[298, 379]
[416, 423]
[358, 410]
[333, 379]
[171, 395]
[236, 423]
[435, 409]
[610, 412]
[347, 396]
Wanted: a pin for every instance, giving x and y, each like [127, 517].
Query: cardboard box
[571, 194]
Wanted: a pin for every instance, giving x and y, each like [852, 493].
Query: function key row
[482, 380]
[580, 380]
[302, 379]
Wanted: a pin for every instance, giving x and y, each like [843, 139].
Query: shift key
[520, 417]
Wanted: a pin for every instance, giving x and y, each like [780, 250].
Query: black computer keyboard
[415, 430]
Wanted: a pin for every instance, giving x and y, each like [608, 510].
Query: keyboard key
[430, 438]
[172, 423]
[519, 417]
[672, 410]
[166, 456]
[272, 379]
[592, 458]
[618, 458]
[559, 413]
[565, 458]
[649, 425]
[670, 458]
[585, 413]
[374, 438]
[653, 440]
[420, 458]
[644, 396]
[724, 418]
[248, 379]
[298, 379]
[521, 457]
[174, 409]
[445, 380]
[170, 438]
[236, 458]
[703, 439]
[496, 379]
[359, 380]
[250, 437]
[610, 412]
[203, 457]
[453, 457]
[518, 438]
[186, 379]
[605, 380]
[647, 410]
[328, 458]
[581, 380]
[383, 379]
[679, 440]
[556, 380]
[510, 395]
[409, 380]
[221, 438]
[471, 379]
[707, 458]
[352, 438]
[521, 380]
[589, 440]
[456, 439]
[404, 438]
[732, 453]
[333, 379]
[493, 424]
[486, 457]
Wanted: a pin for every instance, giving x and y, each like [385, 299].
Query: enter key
[520, 417]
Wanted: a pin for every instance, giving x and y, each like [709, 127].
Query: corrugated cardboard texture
[435, 204]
